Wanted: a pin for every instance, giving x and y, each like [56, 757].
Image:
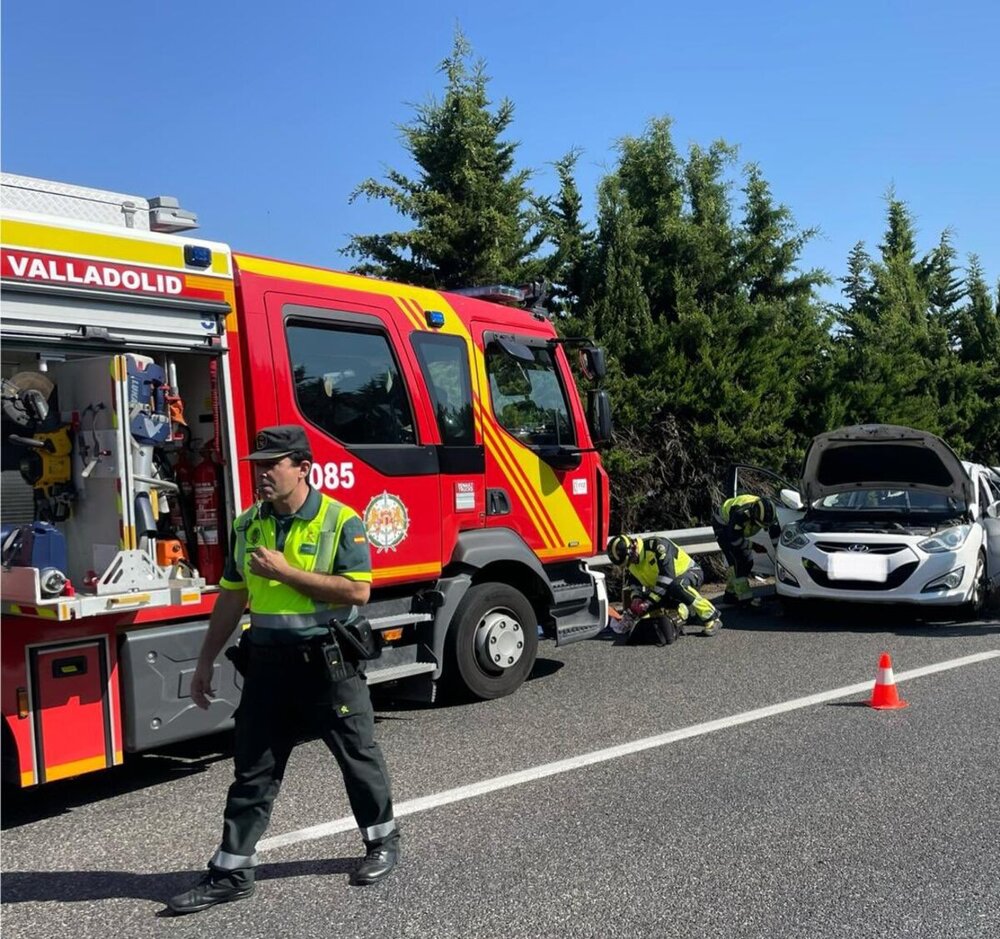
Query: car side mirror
[791, 500]
[993, 511]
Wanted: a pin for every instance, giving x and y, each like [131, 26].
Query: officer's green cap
[272, 443]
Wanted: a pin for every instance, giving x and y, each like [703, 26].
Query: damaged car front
[889, 518]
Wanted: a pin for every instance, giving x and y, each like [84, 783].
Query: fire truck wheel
[492, 641]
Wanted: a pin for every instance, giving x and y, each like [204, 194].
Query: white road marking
[610, 753]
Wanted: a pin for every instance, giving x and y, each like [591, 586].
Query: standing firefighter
[303, 562]
[735, 522]
[660, 575]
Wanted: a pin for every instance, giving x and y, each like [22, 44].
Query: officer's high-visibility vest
[309, 546]
[662, 559]
[745, 502]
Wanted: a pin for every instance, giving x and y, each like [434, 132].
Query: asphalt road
[818, 820]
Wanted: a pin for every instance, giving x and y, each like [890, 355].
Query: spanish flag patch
[360, 539]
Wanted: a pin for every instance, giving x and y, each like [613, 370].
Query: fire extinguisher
[207, 511]
[182, 507]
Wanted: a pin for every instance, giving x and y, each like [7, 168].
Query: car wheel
[976, 603]
[492, 642]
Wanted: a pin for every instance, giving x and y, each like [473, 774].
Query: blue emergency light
[435, 318]
[197, 256]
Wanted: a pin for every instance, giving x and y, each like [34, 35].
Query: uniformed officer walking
[301, 559]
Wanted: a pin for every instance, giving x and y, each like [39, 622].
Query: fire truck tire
[492, 642]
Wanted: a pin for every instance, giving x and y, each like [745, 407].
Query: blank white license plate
[848, 566]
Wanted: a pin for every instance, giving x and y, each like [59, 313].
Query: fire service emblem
[387, 521]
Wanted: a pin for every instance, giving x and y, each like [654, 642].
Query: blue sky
[262, 117]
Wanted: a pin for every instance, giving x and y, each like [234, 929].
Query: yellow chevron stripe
[552, 499]
[416, 314]
[539, 477]
[501, 446]
[491, 440]
[61, 240]
[557, 505]
[403, 304]
[518, 483]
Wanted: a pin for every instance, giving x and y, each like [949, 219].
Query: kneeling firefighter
[735, 522]
[660, 576]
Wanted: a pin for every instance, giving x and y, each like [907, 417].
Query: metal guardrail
[692, 540]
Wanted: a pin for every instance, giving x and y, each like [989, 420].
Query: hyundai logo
[859, 548]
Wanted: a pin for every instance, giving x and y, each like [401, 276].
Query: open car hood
[882, 456]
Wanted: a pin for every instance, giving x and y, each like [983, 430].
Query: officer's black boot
[215, 886]
[379, 861]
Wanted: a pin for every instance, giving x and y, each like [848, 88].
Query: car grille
[895, 579]
[831, 547]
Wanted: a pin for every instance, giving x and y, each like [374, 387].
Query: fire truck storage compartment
[157, 666]
[116, 482]
[71, 707]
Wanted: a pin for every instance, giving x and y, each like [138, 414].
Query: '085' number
[332, 475]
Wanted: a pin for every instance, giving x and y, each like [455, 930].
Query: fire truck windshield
[528, 397]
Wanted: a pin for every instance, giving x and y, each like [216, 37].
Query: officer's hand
[266, 562]
[201, 686]
[638, 606]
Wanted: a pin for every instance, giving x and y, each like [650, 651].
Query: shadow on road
[857, 618]
[176, 761]
[388, 705]
[73, 886]
[140, 770]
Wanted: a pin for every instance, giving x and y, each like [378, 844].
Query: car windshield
[892, 500]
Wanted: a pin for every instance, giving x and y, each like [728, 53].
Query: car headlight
[951, 539]
[792, 537]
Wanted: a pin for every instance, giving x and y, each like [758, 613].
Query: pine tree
[898, 359]
[977, 335]
[770, 245]
[569, 268]
[945, 285]
[476, 222]
[620, 311]
[860, 313]
[978, 323]
[726, 366]
[651, 174]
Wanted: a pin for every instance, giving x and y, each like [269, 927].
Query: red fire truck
[137, 364]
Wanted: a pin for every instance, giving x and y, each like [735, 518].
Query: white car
[888, 514]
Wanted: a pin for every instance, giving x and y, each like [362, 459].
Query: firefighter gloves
[638, 606]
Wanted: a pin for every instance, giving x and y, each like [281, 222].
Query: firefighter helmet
[622, 549]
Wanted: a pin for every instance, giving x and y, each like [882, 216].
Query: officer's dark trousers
[734, 546]
[286, 696]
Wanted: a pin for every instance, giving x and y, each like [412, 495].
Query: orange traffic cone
[884, 694]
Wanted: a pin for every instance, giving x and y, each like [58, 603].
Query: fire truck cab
[137, 365]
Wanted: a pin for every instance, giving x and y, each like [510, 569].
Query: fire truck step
[399, 619]
[395, 672]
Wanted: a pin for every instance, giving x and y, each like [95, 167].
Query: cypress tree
[476, 222]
